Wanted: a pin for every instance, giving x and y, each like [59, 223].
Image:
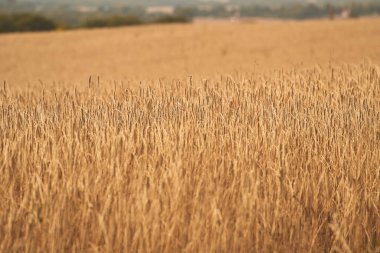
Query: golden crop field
[177, 51]
[243, 137]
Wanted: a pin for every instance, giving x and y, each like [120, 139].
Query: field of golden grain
[251, 137]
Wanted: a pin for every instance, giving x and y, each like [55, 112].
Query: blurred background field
[201, 49]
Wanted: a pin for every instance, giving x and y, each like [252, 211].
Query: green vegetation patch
[25, 22]
[113, 21]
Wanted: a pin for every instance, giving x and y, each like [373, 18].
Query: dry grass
[253, 160]
[281, 163]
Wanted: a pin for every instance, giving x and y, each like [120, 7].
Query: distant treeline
[22, 22]
[25, 22]
[126, 16]
[286, 11]
[115, 21]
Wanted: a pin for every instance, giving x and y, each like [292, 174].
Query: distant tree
[25, 22]
[32, 22]
[113, 21]
[6, 24]
[171, 19]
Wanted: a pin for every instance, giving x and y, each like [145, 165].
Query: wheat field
[205, 50]
[274, 160]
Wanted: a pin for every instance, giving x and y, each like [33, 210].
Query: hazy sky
[159, 2]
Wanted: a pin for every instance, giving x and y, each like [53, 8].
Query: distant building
[87, 9]
[234, 12]
[346, 13]
[232, 8]
[168, 10]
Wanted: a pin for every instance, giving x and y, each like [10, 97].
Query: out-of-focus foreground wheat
[288, 162]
